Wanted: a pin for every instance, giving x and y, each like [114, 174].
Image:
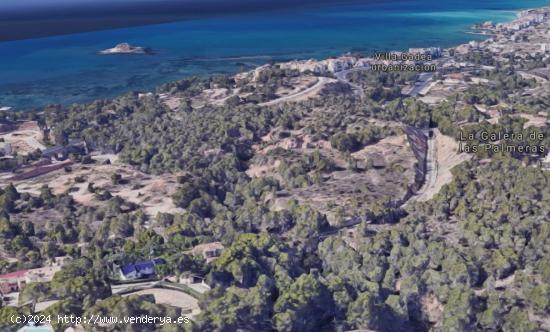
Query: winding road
[320, 82]
[342, 76]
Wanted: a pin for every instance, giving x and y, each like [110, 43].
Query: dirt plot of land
[441, 90]
[152, 192]
[213, 96]
[433, 309]
[25, 138]
[41, 306]
[173, 298]
[343, 188]
[296, 140]
[383, 170]
[263, 170]
[534, 120]
[39, 218]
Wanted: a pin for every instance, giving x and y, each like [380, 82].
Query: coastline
[339, 66]
[22, 93]
[503, 25]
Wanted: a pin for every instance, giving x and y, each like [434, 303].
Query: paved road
[432, 169]
[320, 82]
[341, 76]
[135, 286]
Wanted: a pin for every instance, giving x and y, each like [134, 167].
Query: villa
[140, 270]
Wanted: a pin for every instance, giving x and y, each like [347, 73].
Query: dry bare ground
[432, 308]
[41, 306]
[153, 192]
[25, 138]
[342, 187]
[447, 157]
[212, 96]
[534, 120]
[173, 298]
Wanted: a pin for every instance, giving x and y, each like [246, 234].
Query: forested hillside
[310, 200]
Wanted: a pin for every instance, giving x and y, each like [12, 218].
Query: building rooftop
[141, 266]
[136, 267]
[14, 275]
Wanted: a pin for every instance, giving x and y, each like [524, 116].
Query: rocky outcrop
[126, 48]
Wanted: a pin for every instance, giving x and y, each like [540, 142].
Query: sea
[68, 69]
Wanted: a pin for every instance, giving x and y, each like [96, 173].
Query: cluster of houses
[527, 24]
[26, 137]
[434, 52]
[335, 65]
[526, 19]
[13, 283]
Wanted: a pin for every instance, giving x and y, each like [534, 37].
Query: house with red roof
[13, 282]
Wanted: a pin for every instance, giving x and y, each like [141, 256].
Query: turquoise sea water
[68, 69]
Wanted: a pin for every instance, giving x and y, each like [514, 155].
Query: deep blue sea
[68, 69]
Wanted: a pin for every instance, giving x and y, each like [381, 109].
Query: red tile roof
[14, 275]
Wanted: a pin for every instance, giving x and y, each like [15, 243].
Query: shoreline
[485, 36]
[338, 66]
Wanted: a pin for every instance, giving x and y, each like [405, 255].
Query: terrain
[299, 196]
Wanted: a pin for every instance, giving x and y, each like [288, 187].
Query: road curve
[320, 82]
[342, 76]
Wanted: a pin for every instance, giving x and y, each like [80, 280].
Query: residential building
[140, 270]
[13, 282]
[16, 281]
[434, 52]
